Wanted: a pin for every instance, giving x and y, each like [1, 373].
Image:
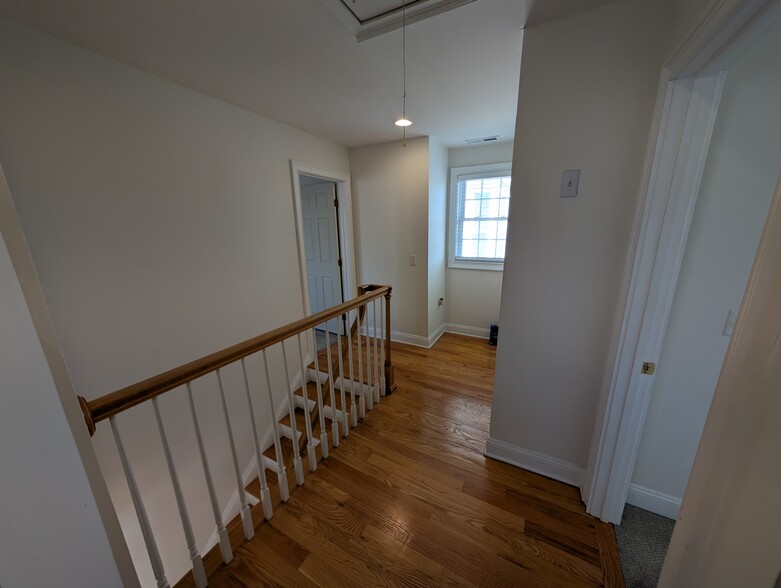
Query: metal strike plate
[648, 368]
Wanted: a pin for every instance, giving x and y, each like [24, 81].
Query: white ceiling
[293, 61]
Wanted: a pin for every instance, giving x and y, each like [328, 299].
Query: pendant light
[404, 122]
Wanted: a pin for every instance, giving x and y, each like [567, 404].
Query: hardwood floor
[408, 499]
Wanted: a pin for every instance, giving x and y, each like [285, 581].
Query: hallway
[409, 500]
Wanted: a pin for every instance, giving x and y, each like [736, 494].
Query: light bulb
[403, 122]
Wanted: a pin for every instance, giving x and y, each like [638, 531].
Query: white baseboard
[428, 342]
[478, 332]
[434, 337]
[653, 501]
[533, 461]
[410, 339]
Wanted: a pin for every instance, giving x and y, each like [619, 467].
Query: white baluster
[345, 424]
[332, 388]
[143, 519]
[298, 467]
[246, 515]
[265, 495]
[199, 573]
[320, 407]
[382, 346]
[310, 447]
[225, 544]
[376, 355]
[369, 368]
[362, 399]
[284, 491]
[353, 411]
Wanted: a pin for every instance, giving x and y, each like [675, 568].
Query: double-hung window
[479, 205]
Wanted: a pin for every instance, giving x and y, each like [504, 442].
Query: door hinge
[648, 368]
[336, 203]
[339, 262]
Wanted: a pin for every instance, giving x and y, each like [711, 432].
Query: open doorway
[323, 214]
[738, 183]
[687, 347]
[322, 242]
[322, 246]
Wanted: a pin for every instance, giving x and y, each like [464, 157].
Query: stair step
[350, 386]
[270, 464]
[331, 414]
[303, 404]
[287, 432]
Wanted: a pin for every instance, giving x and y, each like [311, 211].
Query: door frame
[344, 219]
[686, 107]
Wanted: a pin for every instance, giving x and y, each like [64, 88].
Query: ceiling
[295, 62]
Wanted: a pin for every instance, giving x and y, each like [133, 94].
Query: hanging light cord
[404, 67]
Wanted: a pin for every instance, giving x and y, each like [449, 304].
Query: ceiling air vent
[481, 140]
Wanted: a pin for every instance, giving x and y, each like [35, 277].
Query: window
[479, 204]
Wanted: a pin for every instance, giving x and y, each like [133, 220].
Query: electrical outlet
[440, 302]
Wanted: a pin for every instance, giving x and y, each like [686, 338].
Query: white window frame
[504, 168]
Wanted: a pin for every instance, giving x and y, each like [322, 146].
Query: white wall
[437, 234]
[390, 186]
[480, 154]
[588, 85]
[474, 296]
[737, 187]
[155, 216]
[52, 533]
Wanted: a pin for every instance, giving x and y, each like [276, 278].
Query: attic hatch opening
[366, 19]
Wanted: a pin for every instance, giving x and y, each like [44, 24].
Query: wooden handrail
[111, 404]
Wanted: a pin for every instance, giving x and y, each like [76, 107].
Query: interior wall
[474, 296]
[437, 235]
[154, 216]
[51, 526]
[390, 186]
[587, 90]
[737, 186]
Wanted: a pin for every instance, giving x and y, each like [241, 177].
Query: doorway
[322, 205]
[322, 245]
[738, 182]
[687, 106]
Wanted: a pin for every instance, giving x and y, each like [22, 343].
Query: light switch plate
[570, 180]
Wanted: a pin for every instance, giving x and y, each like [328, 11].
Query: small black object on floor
[642, 538]
[494, 336]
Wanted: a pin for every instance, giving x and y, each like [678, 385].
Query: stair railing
[367, 340]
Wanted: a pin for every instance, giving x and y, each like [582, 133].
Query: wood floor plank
[608, 554]
[408, 499]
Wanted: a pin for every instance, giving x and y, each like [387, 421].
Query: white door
[322, 247]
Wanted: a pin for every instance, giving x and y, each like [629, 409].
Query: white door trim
[689, 94]
[345, 220]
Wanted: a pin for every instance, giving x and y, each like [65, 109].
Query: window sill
[476, 265]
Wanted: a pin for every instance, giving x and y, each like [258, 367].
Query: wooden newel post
[390, 384]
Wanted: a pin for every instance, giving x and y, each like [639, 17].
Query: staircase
[334, 384]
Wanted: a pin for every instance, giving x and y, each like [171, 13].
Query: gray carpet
[642, 540]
